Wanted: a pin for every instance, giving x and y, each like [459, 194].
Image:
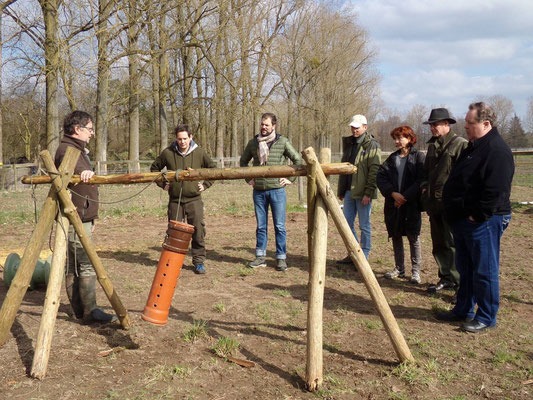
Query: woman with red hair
[398, 180]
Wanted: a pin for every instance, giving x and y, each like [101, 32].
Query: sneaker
[199, 269]
[282, 265]
[415, 278]
[258, 262]
[345, 260]
[395, 273]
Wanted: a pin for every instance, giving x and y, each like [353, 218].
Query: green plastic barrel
[41, 274]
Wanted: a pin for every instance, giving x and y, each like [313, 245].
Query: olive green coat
[442, 154]
[280, 151]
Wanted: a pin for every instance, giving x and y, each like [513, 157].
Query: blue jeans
[277, 199]
[477, 258]
[352, 208]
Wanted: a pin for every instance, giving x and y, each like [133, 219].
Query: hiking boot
[345, 260]
[199, 269]
[282, 265]
[395, 273]
[415, 278]
[258, 262]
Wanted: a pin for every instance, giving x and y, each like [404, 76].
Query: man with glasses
[443, 151]
[477, 205]
[81, 276]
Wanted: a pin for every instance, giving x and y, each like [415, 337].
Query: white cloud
[450, 52]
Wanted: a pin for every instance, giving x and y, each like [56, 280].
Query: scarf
[263, 146]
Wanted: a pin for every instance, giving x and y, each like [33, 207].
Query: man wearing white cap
[358, 190]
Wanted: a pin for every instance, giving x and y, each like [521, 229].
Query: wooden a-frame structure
[320, 200]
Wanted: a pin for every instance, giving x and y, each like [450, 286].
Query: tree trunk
[102, 85]
[133, 107]
[51, 56]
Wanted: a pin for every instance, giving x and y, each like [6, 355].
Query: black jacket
[407, 219]
[479, 184]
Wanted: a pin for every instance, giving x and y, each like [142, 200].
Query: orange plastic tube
[168, 271]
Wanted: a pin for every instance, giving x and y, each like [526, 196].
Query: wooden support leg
[22, 279]
[357, 256]
[317, 278]
[71, 213]
[51, 302]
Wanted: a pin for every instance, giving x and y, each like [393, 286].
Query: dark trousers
[443, 248]
[478, 261]
[191, 212]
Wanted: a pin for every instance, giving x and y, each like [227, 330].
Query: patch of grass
[505, 357]
[180, 371]
[336, 326]
[294, 309]
[371, 324]
[16, 217]
[282, 292]
[198, 331]
[398, 299]
[296, 208]
[407, 372]
[219, 307]
[225, 347]
[245, 271]
[446, 375]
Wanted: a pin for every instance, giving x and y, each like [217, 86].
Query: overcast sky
[451, 52]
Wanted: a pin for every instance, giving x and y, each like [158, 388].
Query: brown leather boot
[73, 293]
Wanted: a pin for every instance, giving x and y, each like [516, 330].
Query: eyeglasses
[89, 129]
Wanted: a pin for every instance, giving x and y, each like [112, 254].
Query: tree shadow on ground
[334, 299]
[138, 257]
[259, 330]
[24, 345]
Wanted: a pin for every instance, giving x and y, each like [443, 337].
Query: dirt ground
[265, 312]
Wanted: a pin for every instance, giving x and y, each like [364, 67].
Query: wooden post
[22, 278]
[52, 299]
[70, 211]
[317, 280]
[357, 256]
[274, 171]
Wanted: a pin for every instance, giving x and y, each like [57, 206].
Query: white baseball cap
[358, 120]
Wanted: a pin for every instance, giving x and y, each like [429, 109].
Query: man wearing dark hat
[443, 151]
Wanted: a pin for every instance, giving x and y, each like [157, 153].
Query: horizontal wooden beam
[212, 174]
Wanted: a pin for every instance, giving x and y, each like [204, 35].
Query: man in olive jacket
[185, 198]
[443, 151]
[270, 148]
[80, 281]
[358, 190]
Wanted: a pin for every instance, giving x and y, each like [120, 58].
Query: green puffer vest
[442, 154]
[280, 150]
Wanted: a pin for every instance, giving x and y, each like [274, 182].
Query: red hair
[406, 132]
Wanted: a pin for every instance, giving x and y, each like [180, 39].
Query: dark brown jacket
[87, 210]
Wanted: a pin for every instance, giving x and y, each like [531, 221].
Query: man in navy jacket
[477, 205]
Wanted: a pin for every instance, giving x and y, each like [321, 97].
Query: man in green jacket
[270, 148]
[358, 190]
[185, 198]
[443, 151]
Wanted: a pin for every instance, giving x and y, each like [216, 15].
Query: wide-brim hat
[440, 114]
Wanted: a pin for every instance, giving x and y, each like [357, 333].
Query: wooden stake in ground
[357, 256]
[70, 211]
[52, 300]
[274, 171]
[22, 278]
[317, 280]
